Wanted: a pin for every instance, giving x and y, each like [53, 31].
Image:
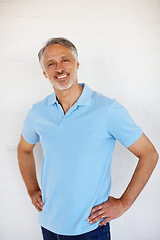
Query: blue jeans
[100, 233]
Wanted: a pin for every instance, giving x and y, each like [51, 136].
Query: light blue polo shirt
[77, 153]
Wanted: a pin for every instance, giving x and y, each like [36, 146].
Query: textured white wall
[119, 53]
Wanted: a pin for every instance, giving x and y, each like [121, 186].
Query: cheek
[73, 70]
[51, 71]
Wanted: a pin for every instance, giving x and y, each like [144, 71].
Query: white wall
[119, 53]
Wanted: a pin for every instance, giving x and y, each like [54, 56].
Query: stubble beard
[58, 86]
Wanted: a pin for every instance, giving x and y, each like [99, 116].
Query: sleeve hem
[135, 139]
[30, 141]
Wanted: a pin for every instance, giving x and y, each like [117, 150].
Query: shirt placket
[63, 118]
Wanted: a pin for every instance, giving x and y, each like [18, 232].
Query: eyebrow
[52, 60]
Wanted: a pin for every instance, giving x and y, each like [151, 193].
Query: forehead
[56, 51]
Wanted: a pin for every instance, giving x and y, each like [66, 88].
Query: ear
[44, 73]
[77, 65]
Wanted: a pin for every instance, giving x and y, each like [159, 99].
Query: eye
[51, 64]
[65, 60]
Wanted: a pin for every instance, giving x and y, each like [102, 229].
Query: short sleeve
[28, 131]
[121, 126]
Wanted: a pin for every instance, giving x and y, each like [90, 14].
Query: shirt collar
[84, 99]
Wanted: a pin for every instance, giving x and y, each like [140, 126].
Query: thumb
[110, 198]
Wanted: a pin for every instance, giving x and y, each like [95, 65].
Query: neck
[68, 97]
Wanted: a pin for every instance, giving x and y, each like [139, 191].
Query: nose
[59, 67]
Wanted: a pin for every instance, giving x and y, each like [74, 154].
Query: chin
[61, 88]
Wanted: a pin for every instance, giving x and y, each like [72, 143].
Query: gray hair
[60, 40]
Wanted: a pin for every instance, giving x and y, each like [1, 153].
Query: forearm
[28, 170]
[113, 207]
[139, 179]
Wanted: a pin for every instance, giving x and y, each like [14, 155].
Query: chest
[81, 126]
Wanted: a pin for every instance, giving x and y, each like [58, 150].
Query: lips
[62, 77]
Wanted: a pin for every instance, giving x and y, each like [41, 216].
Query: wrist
[31, 192]
[126, 203]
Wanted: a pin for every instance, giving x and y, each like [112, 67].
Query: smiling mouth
[62, 77]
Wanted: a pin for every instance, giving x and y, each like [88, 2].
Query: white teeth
[62, 76]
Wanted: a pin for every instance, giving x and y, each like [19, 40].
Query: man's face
[60, 66]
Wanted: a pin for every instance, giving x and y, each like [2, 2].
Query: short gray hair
[60, 40]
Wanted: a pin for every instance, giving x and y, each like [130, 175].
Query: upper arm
[142, 147]
[121, 126]
[24, 146]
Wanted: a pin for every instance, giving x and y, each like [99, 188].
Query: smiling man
[60, 66]
[77, 128]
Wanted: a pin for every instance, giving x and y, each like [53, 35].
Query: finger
[110, 197]
[39, 205]
[39, 199]
[96, 208]
[40, 194]
[96, 217]
[39, 209]
[104, 222]
[35, 202]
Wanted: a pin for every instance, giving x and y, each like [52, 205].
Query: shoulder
[40, 108]
[110, 103]
[42, 104]
[103, 101]
[109, 106]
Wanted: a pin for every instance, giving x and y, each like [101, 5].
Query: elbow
[155, 157]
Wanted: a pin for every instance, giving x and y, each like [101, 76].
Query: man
[77, 129]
